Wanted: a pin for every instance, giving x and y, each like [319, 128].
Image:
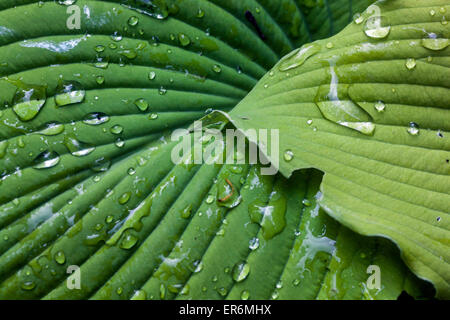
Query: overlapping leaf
[370, 107]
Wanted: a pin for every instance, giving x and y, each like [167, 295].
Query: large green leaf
[370, 108]
[85, 158]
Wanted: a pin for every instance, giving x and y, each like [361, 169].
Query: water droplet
[222, 291]
[271, 216]
[186, 213]
[100, 79]
[116, 129]
[358, 18]
[60, 257]
[329, 45]
[51, 129]
[139, 295]
[128, 241]
[245, 295]
[67, 2]
[46, 159]
[288, 155]
[413, 129]
[200, 13]
[101, 165]
[376, 27]
[142, 104]
[152, 75]
[125, 197]
[380, 106]
[109, 219]
[162, 91]
[216, 68]
[28, 100]
[119, 143]
[336, 105]
[116, 36]
[28, 285]
[210, 199]
[131, 171]
[254, 243]
[184, 39]
[128, 53]
[410, 63]
[69, 92]
[153, 116]
[198, 266]
[133, 21]
[99, 48]
[306, 203]
[432, 12]
[119, 291]
[241, 271]
[435, 44]
[299, 56]
[95, 118]
[76, 147]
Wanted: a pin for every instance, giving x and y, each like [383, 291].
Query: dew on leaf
[376, 27]
[142, 104]
[116, 129]
[96, 118]
[125, 197]
[77, 148]
[133, 21]
[60, 257]
[413, 129]
[299, 56]
[46, 159]
[69, 92]
[410, 63]
[240, 271]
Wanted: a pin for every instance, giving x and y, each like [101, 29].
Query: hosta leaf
[86, 172]
[369, 107]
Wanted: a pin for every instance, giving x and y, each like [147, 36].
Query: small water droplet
[28, 100]
[133, 21]
[116, 129]
[254, 243]
[100, 79]
[60, 257]
[413, 129]
[116, 36]
[184, 39]
[380, 106]
[288, 155]
[153, 116]
[210, 199]
[216, 68]
[51, 129]
[410, 63]
[125, 197]
[245, 295]
[142, 104]
[200, 13]
[358, 18]
[77, 148]
[99, 48]
[152, 75]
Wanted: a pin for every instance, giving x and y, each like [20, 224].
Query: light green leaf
[370, 108]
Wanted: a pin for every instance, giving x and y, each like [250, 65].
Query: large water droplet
[435, 44]
[133, 21]
[46, 159]
[241, 271]
[28, 100]
[77, 148]
[128, 240]
[52, 129]
[96, 118]
[271, 216]
[69, 92]
[142, 104]
[125, 197]
[184, 39]
[377, 27]
[336, 105]
[299, 56]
